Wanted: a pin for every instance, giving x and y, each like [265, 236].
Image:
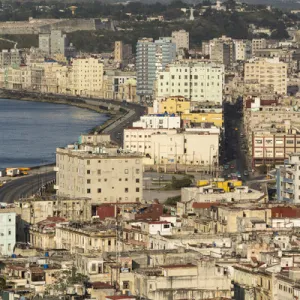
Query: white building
[185, 148]
[195, 80]
[7, 233]
[158, 121]
[139, 139]
[242, 50]
[181, 39]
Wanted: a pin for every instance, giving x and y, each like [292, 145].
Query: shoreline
[112, 115]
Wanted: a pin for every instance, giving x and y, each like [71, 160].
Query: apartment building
[11, 57]
[198, 81]
[261, 114]
[42, 234]
[139, 139]
[258, 44]
[87, 76]
[122, 52]
[181, 39]
[288, 179]
[102, 175]
[151, 58]
[33, 211]
[53, 42]
[17, 78]
[267, 72]
[222, 50]
[269, 147]
[183, 148]
[158, 121]
[7, 233]
[85, 237]
[242, 50]
[114, 82]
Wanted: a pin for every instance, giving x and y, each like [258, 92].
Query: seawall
[103, 106]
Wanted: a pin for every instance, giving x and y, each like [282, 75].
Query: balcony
[289, 191]
[288, 180]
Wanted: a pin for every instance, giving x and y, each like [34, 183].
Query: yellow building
[203, 117]
[173, 105]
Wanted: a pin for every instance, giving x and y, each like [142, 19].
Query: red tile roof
[204, 204]
[285, 212]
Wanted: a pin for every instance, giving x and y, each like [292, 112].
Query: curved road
[26, 186]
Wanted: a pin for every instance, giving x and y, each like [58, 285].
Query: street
[24, 187]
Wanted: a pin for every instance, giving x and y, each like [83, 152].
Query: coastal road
[29, 185]
[24, 187]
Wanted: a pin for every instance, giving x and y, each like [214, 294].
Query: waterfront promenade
[26, 186]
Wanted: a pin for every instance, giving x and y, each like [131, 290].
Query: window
[99, 190]
[137, 189]
[93, 267]
[88, 162]
[126, 179]
[126, 190]
[109, 242]
[9, 232]
[88, 171]
[88, 191]
[126, 171]
[88, 181]
[167, 226]
[125, 285]
[137, 180]
[120, 179]
[137, 171]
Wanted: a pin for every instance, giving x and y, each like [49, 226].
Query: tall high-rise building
[152, 57]
[54, 42]
[195, 80]
[122, 51]
[222, 50]
[181, 39]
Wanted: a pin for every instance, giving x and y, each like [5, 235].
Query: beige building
[103, 176]
[202, 279]
[227, 218]
[42, 234]
[87, 76]
[181, 39]
[17, 77]
[85, 238]
[33, 211]
[258, 44]
[267, 72]
[122, 52]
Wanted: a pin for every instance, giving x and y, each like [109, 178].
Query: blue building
[152, 57]
[288, 180]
